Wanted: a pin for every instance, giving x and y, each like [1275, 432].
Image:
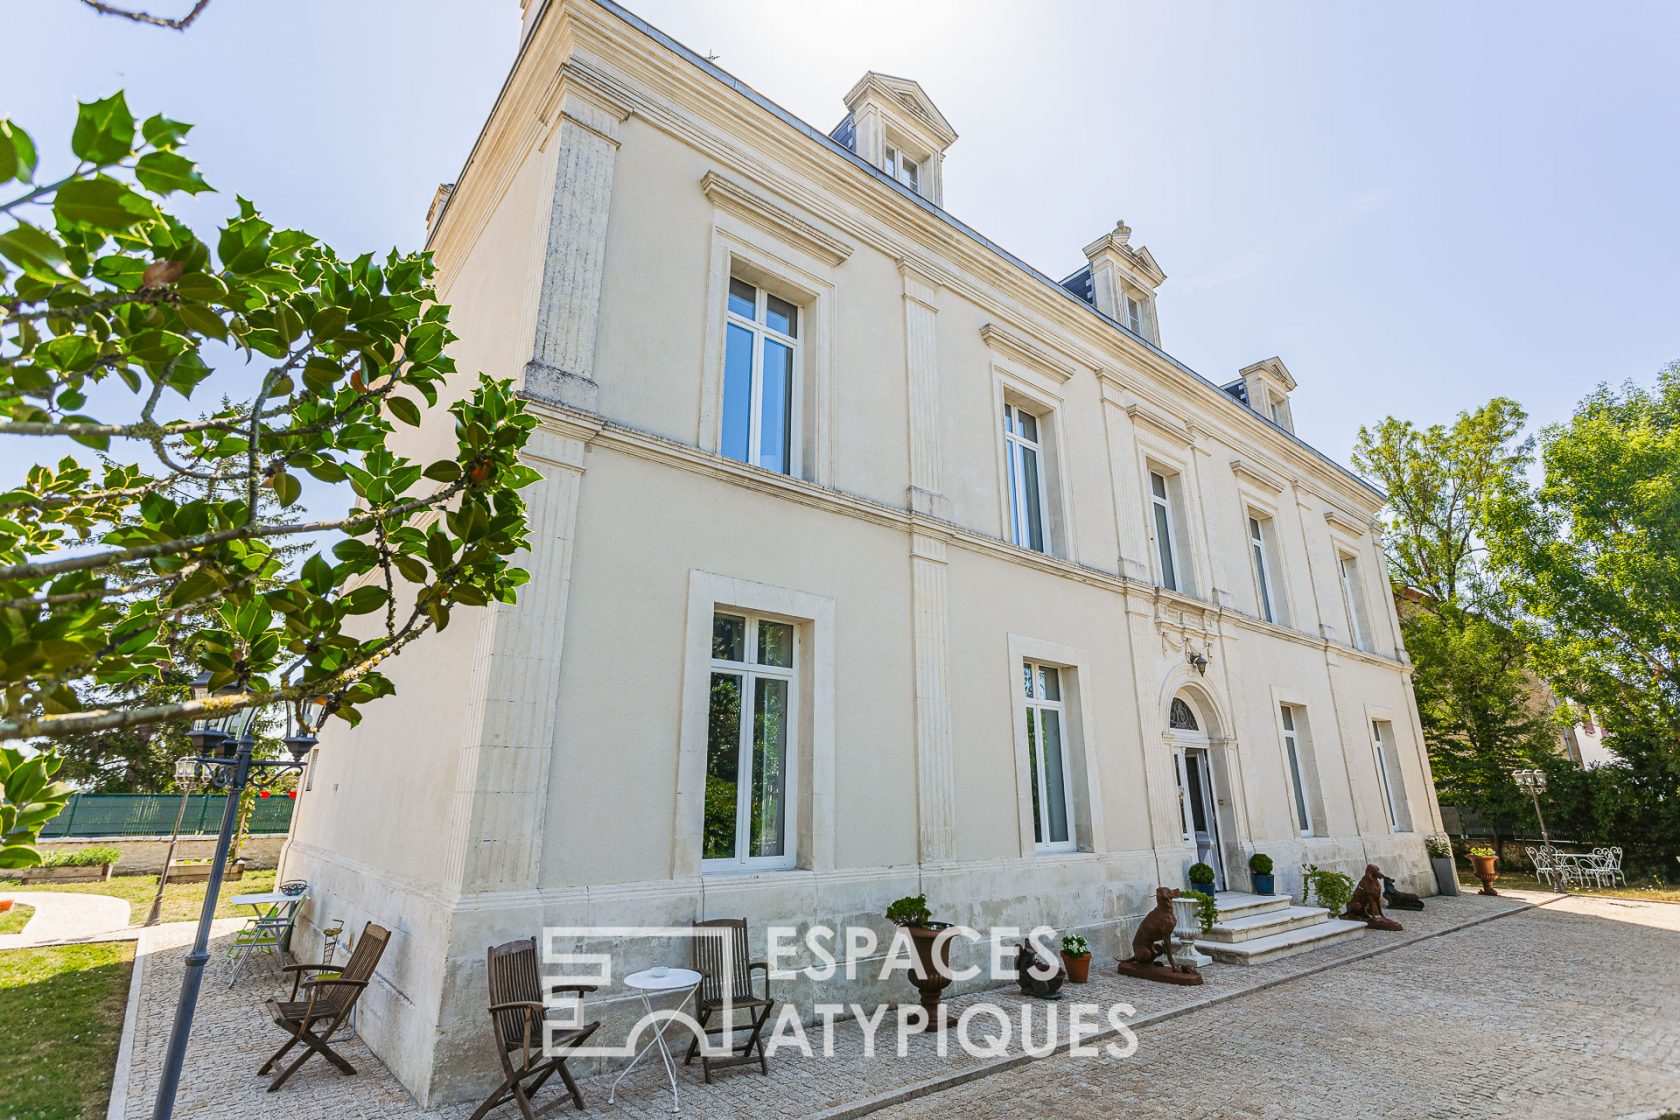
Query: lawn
[13, 920]
[61, 1014]
[1526, 882]
[181, 901]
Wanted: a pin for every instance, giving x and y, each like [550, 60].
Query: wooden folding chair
[331, 999]
[711, 950]
[529, 1053]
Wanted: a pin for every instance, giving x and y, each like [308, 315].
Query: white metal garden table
[649, 983]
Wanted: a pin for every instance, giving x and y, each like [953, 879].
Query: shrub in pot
[1260, 873]
[1440, 852]
[1076, 955]
[932, 974]
[1330, 889]
[1201, 878]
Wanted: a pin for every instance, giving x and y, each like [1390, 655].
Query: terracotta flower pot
[5, 905]
[1487, 870]
[932, 974]
[1078, 968]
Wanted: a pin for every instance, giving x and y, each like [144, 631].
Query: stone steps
[1264, 923]
[1276, 946]
[1240, 904]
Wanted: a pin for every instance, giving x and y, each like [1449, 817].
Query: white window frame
[1137, 313]
[1084, 791]
[1386, 778]
[1265, 587]
[1353, 598]
[1015, 449]
[1036, 707]
[1163, 526]
[811, 798]
[902, 167]
[761, 332]
[750, 672]
[1295, 764]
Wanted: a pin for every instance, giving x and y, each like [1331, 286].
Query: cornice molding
[1259, 476]
[1345, 520]
[1169, 426]
[766, 215]
[1007, 342]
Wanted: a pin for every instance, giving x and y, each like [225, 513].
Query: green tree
[114, 317]
[1483, 711]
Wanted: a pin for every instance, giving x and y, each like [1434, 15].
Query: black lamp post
[224, 761]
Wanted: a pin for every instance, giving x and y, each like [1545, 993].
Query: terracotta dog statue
[1366, 903]
[1154, 933]
[1399, 899]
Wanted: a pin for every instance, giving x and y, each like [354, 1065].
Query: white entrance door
[1196, 809]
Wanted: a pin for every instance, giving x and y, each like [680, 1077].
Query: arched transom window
[1180, 717]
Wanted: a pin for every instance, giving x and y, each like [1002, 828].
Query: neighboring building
[868, 561]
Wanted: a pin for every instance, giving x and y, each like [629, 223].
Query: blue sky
[1417, 206]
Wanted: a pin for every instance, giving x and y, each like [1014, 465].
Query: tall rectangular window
[1353, 595]
[760, 379]
[749, 744]
[1292, 750]
[1047, 758]
[1262, 570]
[1024, 457]
[1388, 776]
[1161, 503]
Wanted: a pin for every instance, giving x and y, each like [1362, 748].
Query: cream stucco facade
[548, 763]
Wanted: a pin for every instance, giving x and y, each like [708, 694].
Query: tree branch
[179, 24]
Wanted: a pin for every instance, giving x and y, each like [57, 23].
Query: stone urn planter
[932, 974]
[1187, 926]
[1485, 865]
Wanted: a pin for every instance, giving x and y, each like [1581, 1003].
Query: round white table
[648, 985]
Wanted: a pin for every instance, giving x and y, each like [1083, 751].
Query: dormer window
[903, 168]
[1136, 316]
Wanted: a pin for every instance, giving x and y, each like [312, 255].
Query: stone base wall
[425, 1015]
[143, 855]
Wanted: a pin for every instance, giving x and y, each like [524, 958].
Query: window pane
[737, 393]
[1055, 801]
[1049, 683]
[1158, 486]
[1163, 540]
[769, 779]
[743, 299]
[775, 644]
[723, 756]
[1300, 794]
[774, 430]
[1288, 718]
[1028, 424]
[1030, 488]
[912, 175]
[1009, 418]
[1027, 673]
[1198, 811]
[781, 315]
[1033, 771]
[729, 637]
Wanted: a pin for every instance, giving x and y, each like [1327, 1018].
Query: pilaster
[585, 149]
[502, 774]
[930, 633]
[921, 358]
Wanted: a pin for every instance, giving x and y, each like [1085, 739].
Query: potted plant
[1441, 862]
[932, 974]
[83, 865]
[1076, 955]
[1330, 889]
[1485, 864]
[1260, 872]
[1201, 878]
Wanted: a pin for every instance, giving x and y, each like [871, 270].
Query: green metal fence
[153, 814]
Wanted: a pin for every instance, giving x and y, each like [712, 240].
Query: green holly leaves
[29, 798]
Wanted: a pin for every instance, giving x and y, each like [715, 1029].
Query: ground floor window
[1388, 775]
[749, 744]
[1047, 757]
